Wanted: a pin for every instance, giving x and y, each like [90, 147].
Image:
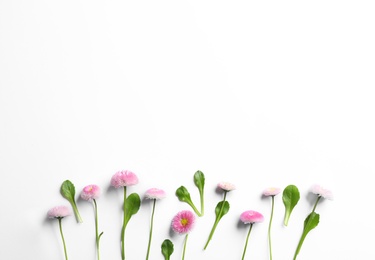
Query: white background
[257, 93]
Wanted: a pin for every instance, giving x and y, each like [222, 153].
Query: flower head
[90, 192]
[124, 178]
[183, 222]
[251, 217]
[322, 192]
[155, 193]
[226, 186]
[59, 212]
[272, 191]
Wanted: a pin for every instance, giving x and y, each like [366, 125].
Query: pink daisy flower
[124, 178]
[322, 192]
[183, 222]
[272, 191]
[251, 217]
[59, 212]
[226, 186]
[155, 193]
[90, 192]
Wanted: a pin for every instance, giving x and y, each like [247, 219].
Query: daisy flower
[183, 223]
[312, 220]
[153, 194]
[60, 212]
[91, 193]
[250, 217]
[221, 209]
[271, 192]
[123, 179]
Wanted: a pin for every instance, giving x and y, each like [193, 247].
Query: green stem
[76, 213]
[96, 229]
[216, 221]
[247, 240]
[62, 237]
[316, 203]
[123, 228]
[202, 204]
[299, 245]
[194, 208]
[151, 227]
[304, 234]
[183, 253]
[269, 227]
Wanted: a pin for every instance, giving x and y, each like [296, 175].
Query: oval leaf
[167, 249]
[133, 203]
[183, 194]
[221, 209]
[291, 197]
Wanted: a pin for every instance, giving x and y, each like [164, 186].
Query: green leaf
[183, 195]
[311, 222]
[199, 180]
[68, 191]
[167, 249]
[291, 197]
[133, 203]
[221, 209]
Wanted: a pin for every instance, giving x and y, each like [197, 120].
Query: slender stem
[76, 213]
[216, 221]
[269, 227]
[247, 240]
[304, 234]
[183, 253]
[194, 208]
[151, 227]
[123, 228]
[62, 237]
[202, 202]
[316, 203]
[96, 229]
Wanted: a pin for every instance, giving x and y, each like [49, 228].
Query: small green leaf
[221, 209]
[199, 180]
[183, 195]
[68, 191]
[311, 222]
[290, 198]
[167, 249]
[133, 203]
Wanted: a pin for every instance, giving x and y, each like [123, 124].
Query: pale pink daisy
[90, 192]
[59, 212]
[183, 222]
[322, 192]
[226, 186]
[124, 178]
[155, 193]
[251, 217]
[272, 191]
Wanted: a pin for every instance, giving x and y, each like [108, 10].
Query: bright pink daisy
[155, 193]
[183, 222]
[90, 192]
[272, 191]
[322, 192]
[251, 217]
[59, 212]
[226, 186]
[124, 178]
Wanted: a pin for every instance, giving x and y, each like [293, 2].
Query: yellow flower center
[184, 221]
